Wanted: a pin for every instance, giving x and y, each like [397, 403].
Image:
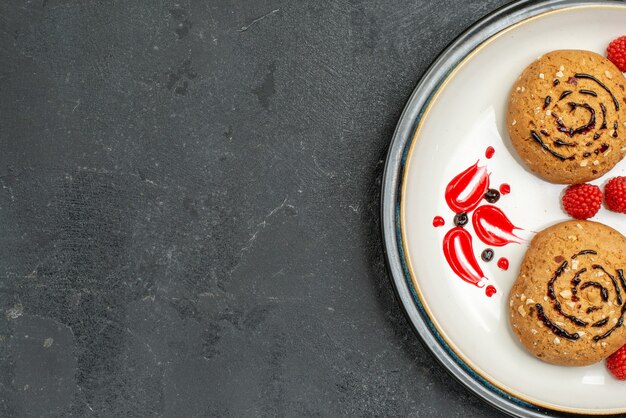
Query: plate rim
[430, 85]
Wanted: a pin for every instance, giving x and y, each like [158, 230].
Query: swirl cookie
[566, 116]
[568, 303]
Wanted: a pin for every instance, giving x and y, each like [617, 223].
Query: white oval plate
[463, 114]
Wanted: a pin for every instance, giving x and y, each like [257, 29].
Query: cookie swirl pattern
[566, 116]
[568, 303]
[578, 316]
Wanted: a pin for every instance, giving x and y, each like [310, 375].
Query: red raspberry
[582, 201]
[616, 363]
[616, 53]
[615, 191]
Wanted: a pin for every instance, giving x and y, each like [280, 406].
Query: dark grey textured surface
[189, 208]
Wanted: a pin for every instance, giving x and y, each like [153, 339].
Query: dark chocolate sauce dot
[487, 255]
[461, 219]
[492, 196]
[547, 101]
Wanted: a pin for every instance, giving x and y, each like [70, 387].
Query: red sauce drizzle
[438, 221]
[459, 253]
[490, 291]
[493, 227]
[489, 152]
[503, 263]
[505, 188]
[466, 189]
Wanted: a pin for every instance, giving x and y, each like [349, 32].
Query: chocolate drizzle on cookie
[543, 145]
[546, 101]
[588, 92]
[565, 94]
[592, 118]
[578, 284]
[561, 143]
[554, 109]
[554, 327]
[620, 274]
[619, 323]
[604, 293]
[584, 252]
[600, 323]
[601, 84]
[556, 275]
[615, 285]
[603, 108]
[576, 281]
[575, 320]
[560, 125]
[602, 148]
